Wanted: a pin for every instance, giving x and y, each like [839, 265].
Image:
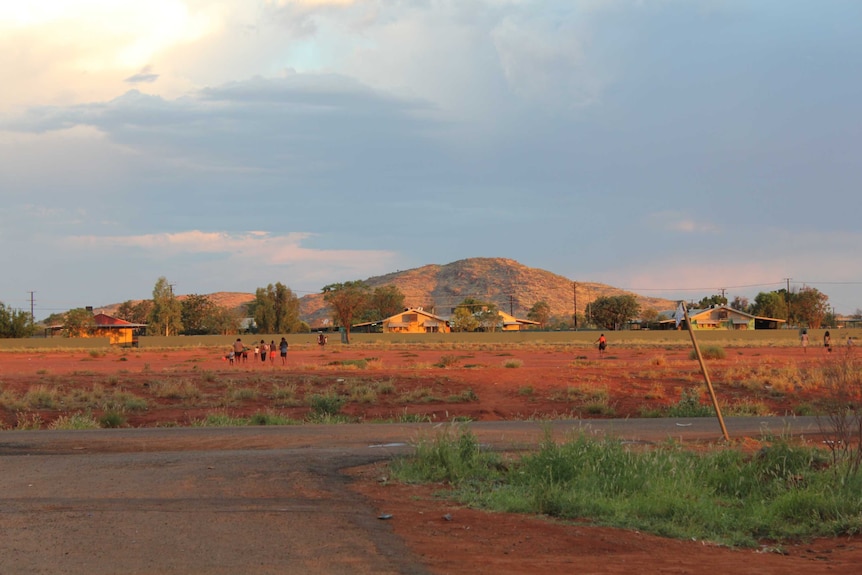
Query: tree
[196, 312]
[346, 300]
[649, 316]
[275, 309]
[612, 312]
[770, 304]
[809, 307]
[710, 301]
[488, 317]
[166, 315]
[540, 312]
[740, 303]
[79, 322]
[223, 320]
[384, 302]
[467, 314]
[15, 322]
[135, 312]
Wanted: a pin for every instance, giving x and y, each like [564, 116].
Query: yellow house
[511, 323]
[723, 317]
[118, 331]
[415, 320]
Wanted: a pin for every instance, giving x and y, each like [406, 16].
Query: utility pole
[575, 298]
[32, 308]
[787, 300]
[722, 290]
[512, 305]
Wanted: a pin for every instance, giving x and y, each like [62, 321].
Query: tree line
[275, 309]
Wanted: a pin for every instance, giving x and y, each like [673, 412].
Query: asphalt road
[242, 500]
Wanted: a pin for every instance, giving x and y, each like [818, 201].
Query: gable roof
[106, 321]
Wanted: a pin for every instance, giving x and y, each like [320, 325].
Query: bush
[689, 405]
[329, 404]
[709, 352]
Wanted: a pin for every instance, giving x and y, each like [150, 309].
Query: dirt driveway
[306, 499]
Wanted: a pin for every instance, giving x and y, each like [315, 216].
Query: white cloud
[256, 248]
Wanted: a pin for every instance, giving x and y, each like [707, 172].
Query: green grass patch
[723, 495]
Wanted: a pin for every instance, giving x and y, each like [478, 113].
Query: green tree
[275, 309]
[135, 312]
[166, 315]
[346, 301]
[196, 312]
[809, 307]
[540, 312]
[15, 322]
[710, 301]
[466, 316]
[384, 302]
[770, 304]
[489, 317]
[78, 322]
[613, 312]
[223, 320]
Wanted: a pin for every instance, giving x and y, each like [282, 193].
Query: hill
[511, 285]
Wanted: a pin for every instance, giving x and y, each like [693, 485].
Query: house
[415, 320]
[511, 323]
[720, 317]
[118, 331]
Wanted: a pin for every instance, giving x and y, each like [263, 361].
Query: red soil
[548, 382]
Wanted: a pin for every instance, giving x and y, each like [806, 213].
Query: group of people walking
[265, 351]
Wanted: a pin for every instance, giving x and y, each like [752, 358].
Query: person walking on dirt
[603, 344]
[272, 351]
[282, 347]
[804, 339]
[321, 339]
[827, 341]
[263, 351]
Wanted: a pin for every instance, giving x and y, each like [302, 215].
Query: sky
[672, 148]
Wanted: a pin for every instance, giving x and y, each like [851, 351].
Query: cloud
[254, 247]
[144, 76]
[681, 222]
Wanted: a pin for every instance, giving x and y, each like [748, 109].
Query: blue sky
[671, 148]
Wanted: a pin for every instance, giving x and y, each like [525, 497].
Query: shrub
[689, 405]
[112, 419]
[75, 421]
[447, 361]
[513, 363]
[709, 352]
[329, 404]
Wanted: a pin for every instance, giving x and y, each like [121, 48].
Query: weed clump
[709, 352]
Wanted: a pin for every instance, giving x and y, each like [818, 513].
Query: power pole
[787, 300]
[32, 308]
[575, 298]
[512, 305]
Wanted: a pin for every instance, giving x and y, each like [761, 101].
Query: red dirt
[472, 541]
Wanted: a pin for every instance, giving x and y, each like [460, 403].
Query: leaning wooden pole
[705, 373]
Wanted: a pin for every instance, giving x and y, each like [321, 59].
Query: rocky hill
[514, 287]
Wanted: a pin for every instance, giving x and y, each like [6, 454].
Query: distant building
[118, 331]
[512, 323]
[414, 320]
[720, 317]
